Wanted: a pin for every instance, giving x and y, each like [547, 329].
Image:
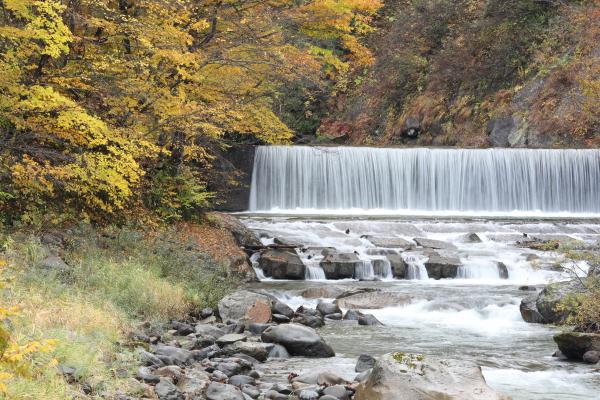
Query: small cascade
[314, 272]
[478, 269]
[416, 267]
[382, 268]
[257, 270]
[364, 270]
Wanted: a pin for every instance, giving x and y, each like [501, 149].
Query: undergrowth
[116, 279]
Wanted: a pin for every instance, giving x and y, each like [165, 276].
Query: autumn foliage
[109, 107]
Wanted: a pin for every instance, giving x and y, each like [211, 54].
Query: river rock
[166, 390]
[250, 391]
[145, 374]
[575, 344]
[259, 313]
[174, 355]
[278, 351]
[529, 310]
[239, 380]
[472, 238]
[502, 270]
[372, 300]
[281, 308]
[173, 372]
[369, 320]
[398, 265]
[299, 340]
[434, 244]
[282, 264]
[402, 376]
[236, 305]
[308, 395]
[321, 378]
[352, 315]
[280, 319]
[257, 329]
[328, 308]
[222, 391]
[552, 295]
[193, 383]
[364, 363]
[337, 392]
[231, 338]
[255, 350]
[591, 357]
[340, 265]
[309, 320]
[389, 242]
[441, 267]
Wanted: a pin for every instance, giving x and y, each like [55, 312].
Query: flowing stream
[342, 198]
[475, 318]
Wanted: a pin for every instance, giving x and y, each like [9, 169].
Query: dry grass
[112, 285]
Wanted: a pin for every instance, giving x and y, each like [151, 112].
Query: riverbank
[87, 289]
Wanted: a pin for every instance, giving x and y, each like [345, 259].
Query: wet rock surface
[402, 376]
[574, 345]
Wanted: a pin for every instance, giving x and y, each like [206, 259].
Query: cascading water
[382, 268]
[490, 180]
[415, 267]
[471, 311]
[314, 272]
[364, 270]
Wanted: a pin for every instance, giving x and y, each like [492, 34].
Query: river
[476, 318]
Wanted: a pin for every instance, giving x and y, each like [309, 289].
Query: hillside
[517, 73]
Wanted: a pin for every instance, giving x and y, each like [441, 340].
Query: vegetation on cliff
[477, 73]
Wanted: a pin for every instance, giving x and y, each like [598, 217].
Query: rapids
[475, 317]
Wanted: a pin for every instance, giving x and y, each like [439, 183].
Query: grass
[118, 278]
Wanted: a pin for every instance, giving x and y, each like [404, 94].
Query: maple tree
[107, 103]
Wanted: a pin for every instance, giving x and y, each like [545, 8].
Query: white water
[413, 181]
[416, 266]
[479, 260]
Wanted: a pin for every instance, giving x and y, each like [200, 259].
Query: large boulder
[575, 344]
[371, 300]
[434, 244]
[389, 242]
[340, 265]
[529, 310]
[236, 305]
[502, 270]
[441, 267]
[282, 264]
[299, 340]
[402, 376]
[552, 295]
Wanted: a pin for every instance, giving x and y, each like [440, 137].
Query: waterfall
[415, 266]
[491, 180]
[260, 275]
[313, 272]
[364, 270]
[382, 268]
